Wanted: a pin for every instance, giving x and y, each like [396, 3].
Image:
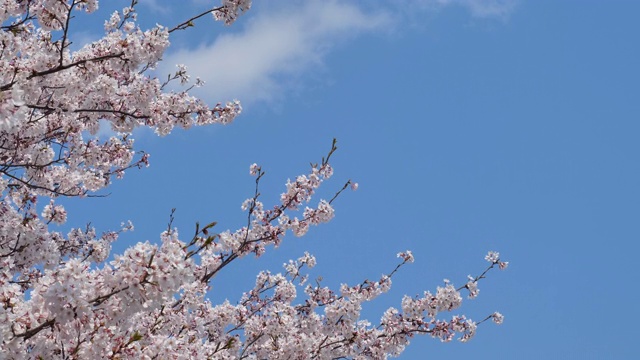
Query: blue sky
[471, 125]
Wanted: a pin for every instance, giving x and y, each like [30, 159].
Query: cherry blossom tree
[67, 296]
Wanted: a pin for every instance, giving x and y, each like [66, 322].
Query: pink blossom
[407, 256]
[254, 169]
[68, 294]
[492, 257]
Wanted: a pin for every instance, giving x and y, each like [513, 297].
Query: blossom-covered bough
[65, 296]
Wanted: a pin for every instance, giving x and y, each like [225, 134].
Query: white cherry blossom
[68, 296]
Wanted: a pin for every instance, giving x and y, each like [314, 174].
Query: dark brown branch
[32, 332]
[189, 22]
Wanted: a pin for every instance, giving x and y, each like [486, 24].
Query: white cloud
[276, 46]
[281, 42]
[478, 8]
[155, 6]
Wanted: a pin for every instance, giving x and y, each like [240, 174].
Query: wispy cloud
[477, 8]
[155, 6]
[285, 41]
[274, 49]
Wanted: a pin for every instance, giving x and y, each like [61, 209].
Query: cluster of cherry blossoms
[67, 296]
